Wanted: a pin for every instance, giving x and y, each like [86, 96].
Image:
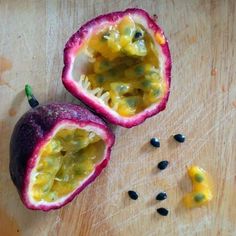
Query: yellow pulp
[124, 69]
[202, 188]
[66, 160]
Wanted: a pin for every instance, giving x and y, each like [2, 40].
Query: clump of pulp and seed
[202, 188]
[124, 70]
[66, 160]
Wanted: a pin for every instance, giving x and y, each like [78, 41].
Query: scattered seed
[133, 195]
[179, 138]
[162, 211]
[161, 196]
[199, 197]
[155, 142]
[162, 165]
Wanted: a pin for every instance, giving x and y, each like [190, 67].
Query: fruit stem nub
[31, 99]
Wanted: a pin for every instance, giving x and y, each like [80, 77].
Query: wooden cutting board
[202, 105]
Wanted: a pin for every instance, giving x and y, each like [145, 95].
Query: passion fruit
[119, 64]
[56, 150]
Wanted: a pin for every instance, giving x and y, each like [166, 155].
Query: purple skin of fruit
[73, 46]
[34, 129]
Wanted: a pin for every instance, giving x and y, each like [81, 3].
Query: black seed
[155, 142]
[162, 211]
[133, 195]
[179, 138]
[63, 153]
[161, 196]
[138, 35]
[162, 165]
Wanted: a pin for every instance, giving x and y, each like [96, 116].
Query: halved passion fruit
[56, 150]
[119, 64]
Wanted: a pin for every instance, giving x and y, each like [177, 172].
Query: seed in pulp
[133, 195]
[138, 35]
[198, 177]
[162, 165]
[161, 196]
[179, 138]
[155, 142]
[199, 197]
[162, 211]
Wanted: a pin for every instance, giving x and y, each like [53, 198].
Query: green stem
[28, 91]
[31, 99]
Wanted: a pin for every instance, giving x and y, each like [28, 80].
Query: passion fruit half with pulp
[56, 150]
[119, 64]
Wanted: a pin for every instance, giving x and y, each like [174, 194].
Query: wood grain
[202, 105]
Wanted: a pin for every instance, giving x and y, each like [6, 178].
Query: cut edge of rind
[108, 140]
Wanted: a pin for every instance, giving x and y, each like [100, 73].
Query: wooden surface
[202, 105]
